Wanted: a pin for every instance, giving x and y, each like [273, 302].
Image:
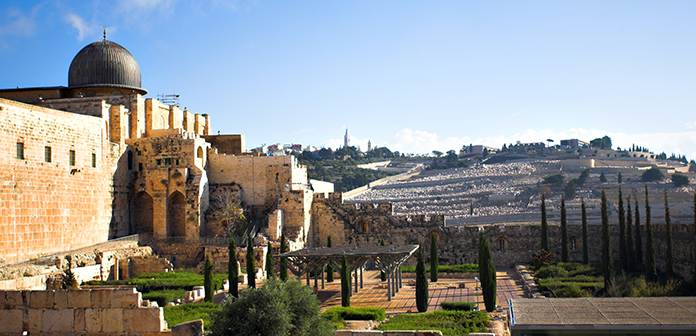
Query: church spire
[346, 139]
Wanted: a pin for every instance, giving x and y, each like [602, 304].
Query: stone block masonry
[53, 196]
[83, 312]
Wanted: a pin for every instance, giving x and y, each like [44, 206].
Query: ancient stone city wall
[368, 223]
[47, 207]
[84, 312]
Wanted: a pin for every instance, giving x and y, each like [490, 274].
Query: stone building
[96, 160]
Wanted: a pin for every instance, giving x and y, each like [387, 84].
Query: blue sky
[415, 76]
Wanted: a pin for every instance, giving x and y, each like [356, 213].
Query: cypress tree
[544, 225]
[232, 270]
[564, 231]
[585, 244]
[630, 247]
[434, 260]
[329, 269]
[638, 240]
[345, 283]
[620, 179]
[250, 263]
[650, 272]
[607, 262]
[487, 274]
[623, 256]
[421, 282]
[283, 267]
[669, 263]
[382, 275]
[208, 280]
[270, 267]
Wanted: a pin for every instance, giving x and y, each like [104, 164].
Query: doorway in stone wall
[176, 215]
[141, 212]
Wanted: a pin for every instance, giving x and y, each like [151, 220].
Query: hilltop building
[346, 139]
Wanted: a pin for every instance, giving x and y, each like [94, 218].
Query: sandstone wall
[50, 207]
[84, 312]
[261, 178]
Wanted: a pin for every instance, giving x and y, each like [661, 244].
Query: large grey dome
[104, 63]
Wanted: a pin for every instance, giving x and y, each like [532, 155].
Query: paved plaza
[374, 294]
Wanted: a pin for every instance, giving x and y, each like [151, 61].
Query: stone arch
[501, 243]
[141, 213]
[199, 152]
[176, 215]
[574, 242]
[364, 227]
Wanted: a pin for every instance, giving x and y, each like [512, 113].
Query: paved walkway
[374, 293]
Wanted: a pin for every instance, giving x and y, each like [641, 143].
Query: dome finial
[104, 32]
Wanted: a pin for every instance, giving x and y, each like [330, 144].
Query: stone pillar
[356, 279]
[362, 270]
[389, 295]
[316, 277]
[322, 277]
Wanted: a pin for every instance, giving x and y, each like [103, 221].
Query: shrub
[353, 313]
[189, 312]
[680, 180]
[276, 308]
[462, 305]
[164, 296]
[571, 290]
[544, 258]
[551, 272]
[651, 175]
[556, 179]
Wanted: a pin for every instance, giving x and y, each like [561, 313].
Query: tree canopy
[652, 175]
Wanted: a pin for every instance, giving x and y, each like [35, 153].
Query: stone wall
[84, 312]
[367, 223]
[47, 207]
[261, 178]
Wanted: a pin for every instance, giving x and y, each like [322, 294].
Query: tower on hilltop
[346, 139]
[369, 145]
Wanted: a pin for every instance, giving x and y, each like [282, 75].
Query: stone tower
[346, 139]
[369, 145]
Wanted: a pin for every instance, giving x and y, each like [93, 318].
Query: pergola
[387, 258]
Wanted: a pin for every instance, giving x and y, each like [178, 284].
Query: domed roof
[104, 63]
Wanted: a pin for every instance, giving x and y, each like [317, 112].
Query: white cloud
[83, 28]
[423, 142]
[17, 24]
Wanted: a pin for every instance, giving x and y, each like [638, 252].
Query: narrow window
[140, 166]
[20, 150]
[130, 160]
[94, 160]
[47, 154]
[159, 162]
[140, 153]
[71, 156]
[168, 161]
[177, 162]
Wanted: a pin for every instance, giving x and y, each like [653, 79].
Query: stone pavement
[374, 294]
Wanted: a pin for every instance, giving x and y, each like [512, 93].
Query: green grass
[461, 305]
[465, 268]
[450, 322]
[354, 313]
[163, 287]
[189, 312]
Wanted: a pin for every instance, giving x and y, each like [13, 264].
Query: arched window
[574, 242]
[176, 215]
[502, 244]
[364, 227]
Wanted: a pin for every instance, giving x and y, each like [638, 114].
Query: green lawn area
[189, 312]
[163, 287]
[450, 322]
